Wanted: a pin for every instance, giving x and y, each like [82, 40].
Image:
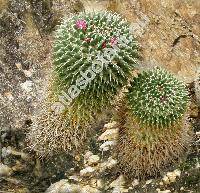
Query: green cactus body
[79, 40]
[155, 132]
[157, 98]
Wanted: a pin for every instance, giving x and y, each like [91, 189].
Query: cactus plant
[157, 98]
[80, 41]
[83, 39]
[154, 129]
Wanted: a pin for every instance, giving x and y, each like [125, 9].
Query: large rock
[64, 186]
[167, 31]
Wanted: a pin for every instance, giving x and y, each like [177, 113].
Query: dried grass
[146, 152]
[53, 132]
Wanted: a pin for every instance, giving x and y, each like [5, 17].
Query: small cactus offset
[80, 41]
[157, 99]
[154, 128]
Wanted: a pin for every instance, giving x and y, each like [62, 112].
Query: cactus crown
[157, 98]
[79, 40]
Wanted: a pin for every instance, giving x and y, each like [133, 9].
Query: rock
[182, 188]
[90, 158]
[108, 164]
[93, 6]
[10, 151]
[74, 178]
[88, 171]
[86, 156]
[100, 184]
[118, 185]
[93, 159]
[148, 182]
[166, 180]
[170, 49]
[170, 177]
[110, 125]
[96, 183]
[109, 134]
[197, 89]
[4, 152]
[28, 73]
[135, 182]
[63, 186]
[5, 170]
[93, 182]
[161, 183]
[22, 190]
[119, 190]
[177, 172]
[107, 145]
[118, 182]
[111, 162]
[88, 189]
[164, 191]
[19, 66]
[27, 86]
[9, 96]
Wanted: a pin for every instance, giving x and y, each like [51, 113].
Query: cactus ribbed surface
[157, 98]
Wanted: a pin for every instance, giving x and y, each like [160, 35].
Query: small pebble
[87, 171]
[135, 182]
[19, 65]
[110, 125]
[148, 181]
[5, 170]
[109, 134]
[164, 191]
[28, 73]
[27, 86]
[93, 159]
[107, 145]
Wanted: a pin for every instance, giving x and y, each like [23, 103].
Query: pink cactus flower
[104, 45]
[113, 41]
[81, 24]
[88, 40]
